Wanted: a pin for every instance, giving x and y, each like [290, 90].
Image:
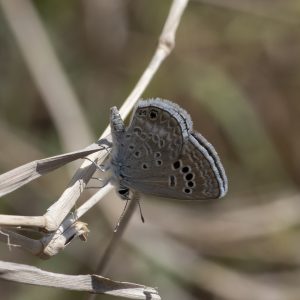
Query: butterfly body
[159, 154]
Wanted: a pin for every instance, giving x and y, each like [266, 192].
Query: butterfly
[160, 154]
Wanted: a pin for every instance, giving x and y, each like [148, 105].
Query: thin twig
[13, 239]
[47, 73]
[102, 266]
[166, 44]
[62, 207]
[117, 235]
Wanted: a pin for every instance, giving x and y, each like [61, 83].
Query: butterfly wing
[160, 155]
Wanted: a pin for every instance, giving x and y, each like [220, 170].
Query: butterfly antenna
[121, 217]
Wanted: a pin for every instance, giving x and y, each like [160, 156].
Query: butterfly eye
[124, 193]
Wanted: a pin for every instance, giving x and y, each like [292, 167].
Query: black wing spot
[172, 181]
[145, 166]
[187, 191]
[185, 169]
[176, 164]
[153, 114]
[137, 154]
[191, 184]
[157, 155]
[189, 176]
[158, 162]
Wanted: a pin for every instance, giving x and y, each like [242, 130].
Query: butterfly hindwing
[160, 155]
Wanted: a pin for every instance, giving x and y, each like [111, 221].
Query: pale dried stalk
[164, 48]
[110, 249]
[87, 283]
[47, 73]
[13, 239]
[61, 208]
[166, 44]
[22, 175]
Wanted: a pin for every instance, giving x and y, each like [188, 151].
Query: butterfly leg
[102, 168]
[104, 182]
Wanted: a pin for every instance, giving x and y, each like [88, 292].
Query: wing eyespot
[189, 176]
[145, 166]
[137, 154]
[176, 165]
[185, 169]
[157, 155]
[187, 191]
[153, 114]
[158, 162]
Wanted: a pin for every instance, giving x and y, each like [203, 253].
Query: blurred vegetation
[235, 68]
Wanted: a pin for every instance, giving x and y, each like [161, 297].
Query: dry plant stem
[166, 43]
[13, 239]
[61, 208]
[47, 73]
[49, 245]
[11, 220]
[22, 175]
[92, 201]
[102, 266]
[111, 248]
[164, 48]
[87, 283]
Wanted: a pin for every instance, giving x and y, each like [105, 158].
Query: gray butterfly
[159, 154]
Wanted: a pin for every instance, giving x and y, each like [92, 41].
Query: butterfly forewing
[153, 137]
[160, 155]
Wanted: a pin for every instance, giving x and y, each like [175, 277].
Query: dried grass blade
[90, 283]
[20, 176]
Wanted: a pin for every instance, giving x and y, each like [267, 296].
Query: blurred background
[235, 69]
